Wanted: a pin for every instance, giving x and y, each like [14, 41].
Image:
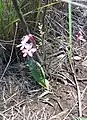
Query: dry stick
[11, 53]
[2, 46]
[12, 113]
[43, 28]
[78, 91]
[11, 97]
[83, 92]
[4, 105]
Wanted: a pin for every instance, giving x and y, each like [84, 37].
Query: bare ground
[21, 98]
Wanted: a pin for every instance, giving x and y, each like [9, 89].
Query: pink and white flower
[80, 37]
[23, 42]
[25, 39]
[27, 48]
[28, 52]
[32, 38]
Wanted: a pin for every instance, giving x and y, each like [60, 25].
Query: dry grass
[21, 98]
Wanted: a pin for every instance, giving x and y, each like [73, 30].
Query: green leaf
[83, 118]
[38, 73]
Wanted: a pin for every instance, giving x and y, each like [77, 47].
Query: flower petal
[83, 40]
[19, 45]
[30, 53]
[25, 54]
[24, 51]
[25, 39]
[28, 46]
[80, 37]
[33, 50]
[22, 47]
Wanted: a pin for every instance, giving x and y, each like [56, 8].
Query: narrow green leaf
[70, 32]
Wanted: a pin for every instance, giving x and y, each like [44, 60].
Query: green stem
[70, 33]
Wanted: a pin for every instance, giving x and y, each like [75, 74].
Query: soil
[21, 98]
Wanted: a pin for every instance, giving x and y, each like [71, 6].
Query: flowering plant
[80, 37]
[27, 44]
[28, 48]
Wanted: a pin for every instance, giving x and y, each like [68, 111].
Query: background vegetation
[56, 25]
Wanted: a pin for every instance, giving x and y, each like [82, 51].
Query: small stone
[77, 58]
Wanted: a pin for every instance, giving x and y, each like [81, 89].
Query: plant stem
[70, 33]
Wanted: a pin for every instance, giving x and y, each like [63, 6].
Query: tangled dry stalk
[22, 98]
